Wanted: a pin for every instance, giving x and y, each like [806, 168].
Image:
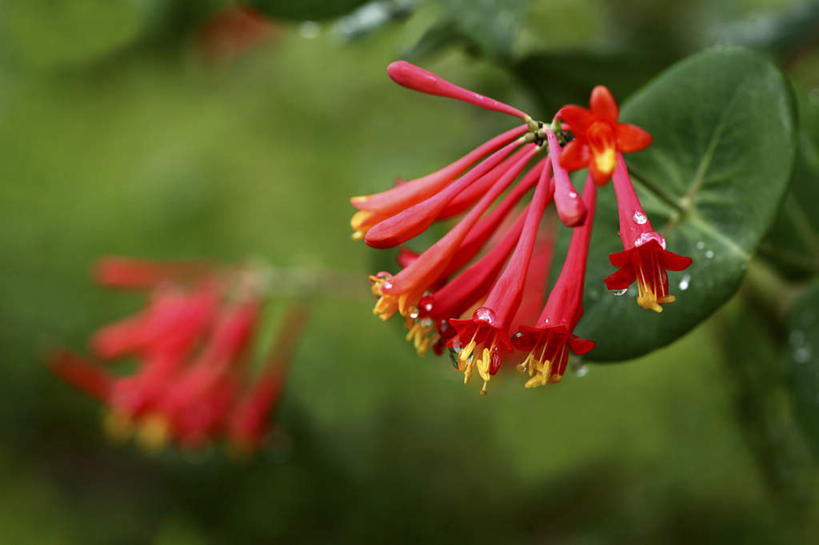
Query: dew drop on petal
[685, 281]
[618, 293]
[648, 237]
[485, 315]
[580, 370]
[639, 218]
[572, 195]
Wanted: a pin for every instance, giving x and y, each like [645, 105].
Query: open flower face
[598, 136]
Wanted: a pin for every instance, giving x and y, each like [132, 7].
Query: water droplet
[387, 285]
[581, 370]
[486, 315]
[648, 237]
[572, 195]
[639, 218]
[801, 354]
[685, 281]
[618, 293]
[700, 245]
[709, 254]
[413, 313]
[309, 30]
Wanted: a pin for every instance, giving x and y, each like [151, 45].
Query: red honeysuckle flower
[486, 335]
[549, 341]
[598, 136]
[193, 383]
[644, 257]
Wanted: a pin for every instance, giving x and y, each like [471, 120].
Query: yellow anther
[153, 432]
[483, 365]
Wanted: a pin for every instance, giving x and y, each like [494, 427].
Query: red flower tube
[644, 258]
[549, 342]
[487, 333]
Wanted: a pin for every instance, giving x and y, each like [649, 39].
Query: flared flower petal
[598, 135]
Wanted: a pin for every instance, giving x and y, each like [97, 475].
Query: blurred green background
[121, 134]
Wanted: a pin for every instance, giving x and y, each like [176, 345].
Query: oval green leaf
[722, 123]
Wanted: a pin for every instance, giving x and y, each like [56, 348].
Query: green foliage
[722, 126]
[46, 34]
[793, 242]
[802, 363]
[556, 79]
[306, 10]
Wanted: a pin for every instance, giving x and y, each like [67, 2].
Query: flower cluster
[192, 344]
[474, 290]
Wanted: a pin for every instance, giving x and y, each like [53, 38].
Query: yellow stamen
[386, 307]
[605, 161]
[153, 432]
[483, 365]
[361, 223]
[423, 335]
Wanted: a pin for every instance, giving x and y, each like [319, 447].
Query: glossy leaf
[802, 363]
[711, 182]
[491, 24]
[792, 245]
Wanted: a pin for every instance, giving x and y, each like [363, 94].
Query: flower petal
[622, 279]
[631, 138]
[620, 259]
[580, 346]
[575, 155]
[674, 262]
[603, 105]
[576, 117]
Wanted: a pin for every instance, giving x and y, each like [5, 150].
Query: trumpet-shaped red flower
[482, 341]
[644, 258]
[548, 343]
[598, 136]
[193, 382]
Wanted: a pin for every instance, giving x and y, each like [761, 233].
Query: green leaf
[556, 79]
[802, 363]
[793, 243]
[491, 24]
[435, 39]
[722, 123]
[306, 10]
